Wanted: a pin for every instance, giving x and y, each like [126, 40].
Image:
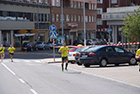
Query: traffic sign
[52, 28]
[109, 30]
[53, 35]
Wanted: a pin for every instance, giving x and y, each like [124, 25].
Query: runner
[64, 55]
[138, 57]
[11, 51]
[2, 52]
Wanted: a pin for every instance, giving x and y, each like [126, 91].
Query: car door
[112, 55]
[123, 55]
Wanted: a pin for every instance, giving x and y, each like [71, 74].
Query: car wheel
[72, 62]
[32, 49]
[132, 61]
[44, 48]
[79, 63]
[103, 63]
[87, 65]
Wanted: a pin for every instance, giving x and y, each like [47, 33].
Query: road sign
[109, 30]
[52, 28]
[53, 35]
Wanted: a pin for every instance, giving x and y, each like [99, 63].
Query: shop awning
[27, 34]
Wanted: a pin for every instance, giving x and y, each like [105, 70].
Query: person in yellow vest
[64, 55]
[2, 52]
[11, 50]
[138, 57]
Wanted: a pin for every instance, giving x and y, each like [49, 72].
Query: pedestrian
[64, 55]
[2, 52]
[138, 57]
[11, 50]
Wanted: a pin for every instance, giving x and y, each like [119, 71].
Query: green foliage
[131, 28]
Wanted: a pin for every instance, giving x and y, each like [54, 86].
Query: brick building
[73, 19]
[102, 6]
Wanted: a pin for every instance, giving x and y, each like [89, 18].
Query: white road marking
[8, 69]
[33, 91]
[38, 61]
[26, 60]
[21, 80]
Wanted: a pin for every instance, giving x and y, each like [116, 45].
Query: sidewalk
[51, 60]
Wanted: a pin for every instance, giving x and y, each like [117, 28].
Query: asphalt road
[32, 76]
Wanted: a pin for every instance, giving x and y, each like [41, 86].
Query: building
[19, 22]
[73, 19]
[102, 6]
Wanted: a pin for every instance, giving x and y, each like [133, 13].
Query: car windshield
[77, 50]
[25, 43]
[93, 49]
[84, 48]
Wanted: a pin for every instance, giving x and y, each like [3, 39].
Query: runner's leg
[66, 64]
[62, 65]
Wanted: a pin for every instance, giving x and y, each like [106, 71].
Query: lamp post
[109, 24]
[38, 22]
[62, 19]
[84, 23]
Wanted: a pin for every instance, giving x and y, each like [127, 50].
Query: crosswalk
[23, 61]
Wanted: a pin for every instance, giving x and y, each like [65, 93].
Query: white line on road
[21, 80]
[8, 69]
[26, 60]
[33, 91]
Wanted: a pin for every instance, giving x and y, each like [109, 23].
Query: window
[75, 4]
[78, 4]
[67, 18]
[46, 1]
[53, 2]
[71, 4]
[63, 17]
[119, 50]
[48, 17]
[35, 17]
[53, 17]
[92, 18]
[99, 10]
[35, 1]
[89, 18]
[82, 5]
[79, 18]
[40, 1]
[57, 17]
[99, 22]
[82, 18]
[99, 1]
[42, 17]
[72, 18]
[93, 6]
[58, 3]
[45, 17]
[86, 18]
[109, 49]
[75, 18]
[89, 6]
[113, 1]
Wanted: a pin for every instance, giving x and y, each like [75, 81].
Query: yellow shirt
[65, 49]
[11, 49]
[138, 53]
[2, 49]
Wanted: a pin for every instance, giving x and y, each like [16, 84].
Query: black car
[29, 46]
[42, 45]
[103, 55]
[76, 42]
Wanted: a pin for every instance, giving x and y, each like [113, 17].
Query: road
[33, 76]
[29, 74]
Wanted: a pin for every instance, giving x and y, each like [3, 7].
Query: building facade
[24, 16]
[73, 19]
[102, 6]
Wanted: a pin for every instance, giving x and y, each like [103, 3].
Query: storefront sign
[22, 31]
[34, 31]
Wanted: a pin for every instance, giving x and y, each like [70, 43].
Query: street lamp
[84, 23]
[62, 19]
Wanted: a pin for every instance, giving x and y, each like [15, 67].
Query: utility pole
[84, 23]
[109, 24]
[62, 20]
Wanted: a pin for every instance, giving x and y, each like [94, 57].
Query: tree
[131, 28]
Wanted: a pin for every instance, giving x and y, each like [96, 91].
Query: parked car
[50, 44]
[72, 54]
[94, 41]
[42, 45]
[103, 55]
[76, 42]
[29, 46]
[78, 54]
